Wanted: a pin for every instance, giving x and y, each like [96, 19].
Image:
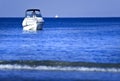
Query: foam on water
[59, 68]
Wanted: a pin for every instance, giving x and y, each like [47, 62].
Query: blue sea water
[81, 47]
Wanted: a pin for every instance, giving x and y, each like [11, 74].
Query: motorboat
[33, 20]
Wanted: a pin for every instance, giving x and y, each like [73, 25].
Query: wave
[59, 66]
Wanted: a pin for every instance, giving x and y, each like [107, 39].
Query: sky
[63, 8]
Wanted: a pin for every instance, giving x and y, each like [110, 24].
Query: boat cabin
[33, 13]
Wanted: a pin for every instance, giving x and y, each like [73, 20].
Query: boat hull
[33, 27]
[32, 24]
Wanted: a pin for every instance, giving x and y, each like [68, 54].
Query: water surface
[65, 46]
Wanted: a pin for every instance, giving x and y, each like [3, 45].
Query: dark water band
[60, 63]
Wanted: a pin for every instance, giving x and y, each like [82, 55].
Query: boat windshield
[33, 14]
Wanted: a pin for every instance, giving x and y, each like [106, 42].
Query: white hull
[32, 24]
[34, 27]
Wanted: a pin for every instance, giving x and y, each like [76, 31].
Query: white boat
[33, 20]
[56, 16]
